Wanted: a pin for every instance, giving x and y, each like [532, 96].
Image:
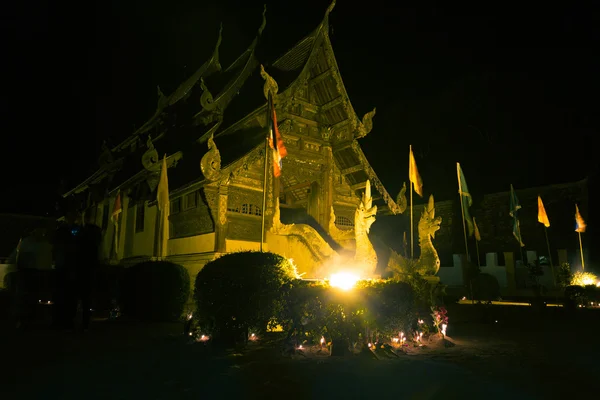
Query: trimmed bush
[370, 310]
[155, 290]
[240, 291]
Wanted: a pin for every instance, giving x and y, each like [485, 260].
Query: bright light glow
[584, 278]
[343, 280]
[322, 340]
[444, 327]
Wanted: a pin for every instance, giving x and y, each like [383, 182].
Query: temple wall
[233, 246]
[144, 241]
[191, 245]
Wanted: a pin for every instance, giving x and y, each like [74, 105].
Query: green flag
[514, 207]
[467, 200]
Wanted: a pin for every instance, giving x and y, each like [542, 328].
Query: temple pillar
[221, 225]
[314, 200]
[327, 188]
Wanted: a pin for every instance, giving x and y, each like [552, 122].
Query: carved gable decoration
[150, 157]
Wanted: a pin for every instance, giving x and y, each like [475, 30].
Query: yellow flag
[413, 174]
[579, 222]
[476, 228]
[542, 216]
[164, 207]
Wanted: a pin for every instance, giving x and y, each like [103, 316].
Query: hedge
[241, 291]
[155, 290]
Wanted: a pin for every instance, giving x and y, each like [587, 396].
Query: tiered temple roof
[231, 109]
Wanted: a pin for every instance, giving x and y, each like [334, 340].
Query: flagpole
[477, 249]
[550, 256]
[264, 204]
[520, 241]
[462, 210]
[581, 252]
[411, 222]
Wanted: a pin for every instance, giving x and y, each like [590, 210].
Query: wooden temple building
[212, 130]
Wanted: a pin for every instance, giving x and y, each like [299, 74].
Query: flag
[514, 203]
[579, 222]
[542, 216]
[275, 139]
[476, 229]
[517, 231]
[514, 207]
[164, 207]
[466, 199]
[117, 209]
[413, 174]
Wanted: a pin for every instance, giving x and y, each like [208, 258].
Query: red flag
[275, 139]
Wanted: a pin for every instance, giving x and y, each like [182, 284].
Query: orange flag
[579, 222]
[542, 216]
[117, 209]
[413, 174]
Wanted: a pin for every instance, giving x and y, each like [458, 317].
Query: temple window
[176, 205]
[190, 200]
[343, 222]
[140, 213]
[247, 209]
[251, 209]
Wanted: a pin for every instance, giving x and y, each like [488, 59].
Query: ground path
[152, 361]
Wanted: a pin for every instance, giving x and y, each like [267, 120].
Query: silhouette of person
[88, 251]
[65, 261]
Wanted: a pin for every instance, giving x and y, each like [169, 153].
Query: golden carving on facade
[150, 157]
[366, 125]
[401, 200]
[210, 164]
[270, 85]
[223, 208]
[364, 217]
[429, 261]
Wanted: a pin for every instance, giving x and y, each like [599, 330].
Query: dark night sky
[509, 92]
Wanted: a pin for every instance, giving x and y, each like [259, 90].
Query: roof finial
[330, 8]
[264, 21]
[270, 86]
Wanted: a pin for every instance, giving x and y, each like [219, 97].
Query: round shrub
[240, 291]
[155, 290]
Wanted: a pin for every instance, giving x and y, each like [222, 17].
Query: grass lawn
[501, 352]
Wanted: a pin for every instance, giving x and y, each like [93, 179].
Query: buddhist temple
[212, 130]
